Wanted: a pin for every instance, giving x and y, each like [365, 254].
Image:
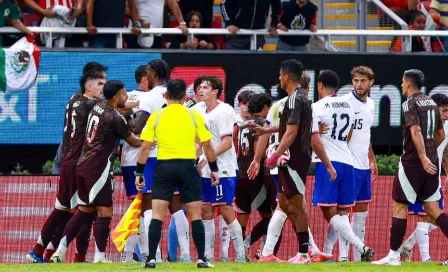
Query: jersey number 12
[345, 119]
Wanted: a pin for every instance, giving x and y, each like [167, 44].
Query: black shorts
[414, 184]
[292, 180]
[183, 174]
[255, 195]
[66, 197]
[94, 190]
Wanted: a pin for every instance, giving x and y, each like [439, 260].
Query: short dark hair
[112, 87]
[293, 68]
[94, 66]
[305, 80]
[215, 82]
[258, 101]
[416, 77]
[90, 74]
[160, 68]
[245, 96]
[176, 89]
[140, 73]
[329, 79]
[440, 99]
[197, 82]
[414, 14]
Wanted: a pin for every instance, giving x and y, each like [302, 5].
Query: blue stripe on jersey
[145, 112]
[357, 97]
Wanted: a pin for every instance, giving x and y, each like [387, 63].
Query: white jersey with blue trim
[274, 120]
[442, 146]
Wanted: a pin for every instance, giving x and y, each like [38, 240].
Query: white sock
[409, 243]
[332, 236]
[50, 246]
[148, 217]
[131, 242]
[183, 232]
[209, 226]
[143, 238]
[432, 227]
[359, 227]
[344, 246]
[236, 233]
[314, 249]
[98, 254]
[394, 254]
[274, 230]
[422, 237]
[225, 237]
[344, 229]
[62, 248]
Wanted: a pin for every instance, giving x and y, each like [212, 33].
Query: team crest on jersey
[20, 61]
[298, 23]
[6, 13]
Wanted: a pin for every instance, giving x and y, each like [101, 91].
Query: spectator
[297, 15]
[248, 15]
[44, 8]
[194, 20]
[107, 13]
[439, 13]
[205, 7]
[10, 10]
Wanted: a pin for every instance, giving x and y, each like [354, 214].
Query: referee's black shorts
[179, 173]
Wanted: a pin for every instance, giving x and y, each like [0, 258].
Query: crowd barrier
[26, 201]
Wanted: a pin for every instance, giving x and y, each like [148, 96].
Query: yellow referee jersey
[175, 129]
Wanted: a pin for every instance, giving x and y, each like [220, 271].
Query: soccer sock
[332, 236]
[225, 237]
[243, 231]
[422, 237]
[73, 226]
[303, 239]
[173, 243]
[397, 232]
[148, 216]
[314, 249]
[274, 230]
[236, 234]
[344, 246]
[432, 227]
[277, 245]
[359, 226]
[54, 221]
[131, 242]
[442, 222]
[183, 233]
[199, 237]
[259, 230]
[154, 233]
[83, 238]
[143, 238]
[344, 229]
[49, 251]
[101, 232]
[209, 226]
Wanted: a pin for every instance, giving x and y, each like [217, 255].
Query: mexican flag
[19, 65]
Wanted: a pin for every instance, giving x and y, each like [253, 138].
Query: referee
[176, 129]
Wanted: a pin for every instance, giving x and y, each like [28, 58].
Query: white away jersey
[339, 116]
[128, 153]
[220, 122]
[360, 141]
[274, 119]
[150, 102]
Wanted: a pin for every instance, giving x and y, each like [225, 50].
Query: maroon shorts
[66, 197]
[255, 195]
[292, 180]
[414, 184]
[95, 190]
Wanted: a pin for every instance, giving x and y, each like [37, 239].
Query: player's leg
[274, 230]
[344, 246]
[225, 239]
[101, 231]
[405, 249]
[131, 193]
[182, 228]
[208, 218]
[173, 242]
[83, 239]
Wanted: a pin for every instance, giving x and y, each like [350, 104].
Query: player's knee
[432, 209]
[400, 210]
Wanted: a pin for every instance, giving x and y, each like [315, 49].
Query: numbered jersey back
[246, 146]
[339, 117]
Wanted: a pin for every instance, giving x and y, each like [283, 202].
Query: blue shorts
[275, 179]
[417, 207]
[129, 181]
[222, 194]
[148, 175]
[363, 190]
[340, 192]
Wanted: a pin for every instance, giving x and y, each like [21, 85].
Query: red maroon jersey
[246, 146]
[419, 109]
[105, 127]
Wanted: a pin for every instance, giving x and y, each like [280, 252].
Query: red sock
[79, 258]
[48, 254]
[46, 234]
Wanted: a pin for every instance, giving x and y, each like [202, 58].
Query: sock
[56, 220]
[154, 234]
[101, 232]
[397, 232]
[57, 236]
[198, 230]
[236, 234]
[79, 258]
[359, 227]
[209, 226]
[442, 222]
[131, 242]
[432, 227]
[83, 237]
[183, 233]
[225, 237]
[277, 245]
[243, 231]
[173, 243]
[303, 240]
[148, 216]
[344, 246]
[274, 230]
[71, 229]
[332, 236]
[314, 249]
[143, 238]
[422, 237]
[259, 230]
[343, 229]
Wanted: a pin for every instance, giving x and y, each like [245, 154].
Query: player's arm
[225, 145]
[225, 127]
[440, 136]
[235, 137]
[319, 149]
[372, 163]
[204, 137]
[260, 149]
[419, 143]
[133, 141]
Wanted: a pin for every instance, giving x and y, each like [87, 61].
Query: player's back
[273, 118]
[420, 109]
[339, 116]
[246, 145]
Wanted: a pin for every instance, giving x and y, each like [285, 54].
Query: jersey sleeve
[148, 133]
[315, 124]
[410, 113]
[225, 124]
[121, 127]
[295, 107]
[201, 129]
[145, 105]
[14, 11]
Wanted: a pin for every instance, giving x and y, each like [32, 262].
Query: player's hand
[257, 129]
[139, 183]
[323, 128]
[214, 178]
[92, 29]
[253, 170]
[282, 27]
[201, 165]
[332, 172]
[374, 172]
[429, 167]
[272, 31]
[271, 162]
[232, 29]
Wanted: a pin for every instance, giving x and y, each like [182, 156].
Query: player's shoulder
[158, 90]
[200, 107]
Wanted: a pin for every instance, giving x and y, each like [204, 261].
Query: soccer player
[197, 97]
[105, 127]
[176, 129]
[417, 178]
[335, 196]
[128, 166]
[424, 225]
[220, 118]
[77, 110]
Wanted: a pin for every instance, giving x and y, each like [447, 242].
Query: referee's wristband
[139, 169]
[213, 166]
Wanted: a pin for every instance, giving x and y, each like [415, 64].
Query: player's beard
[362, 92]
